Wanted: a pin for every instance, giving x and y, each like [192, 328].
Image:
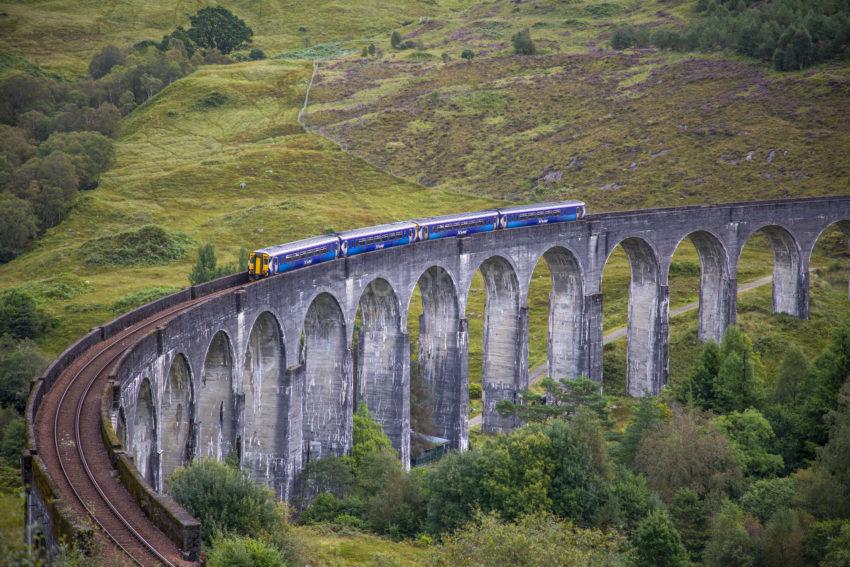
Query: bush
[467, 54]
[256, 54]
[148, 245]
[225, 499]
[535, 540]
[90, 152]
[629, 36]
[205, 268]
[244, 552]
[18, 226]
[523, 44]
[475, 391]
[19, 316]
[767, 496]
[102, 63]
[138, 298]
[20, 362]
[657, 543]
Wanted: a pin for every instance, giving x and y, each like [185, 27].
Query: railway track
[69, 441]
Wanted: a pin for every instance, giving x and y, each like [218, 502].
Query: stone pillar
[494, 391]
[593, 337]
[648, 341]
[384, 371]
[731, 303]
[662, 336]
[803, 289]
[443, 367]
[293, 444]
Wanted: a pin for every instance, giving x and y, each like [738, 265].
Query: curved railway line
[67, 434]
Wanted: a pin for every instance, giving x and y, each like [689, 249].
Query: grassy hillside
[618, 129]
[62, 35]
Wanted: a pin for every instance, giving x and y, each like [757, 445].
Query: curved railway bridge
[271, 369]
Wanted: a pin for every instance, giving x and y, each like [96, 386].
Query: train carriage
[542, 213]
[280, 259]
[456, 225]
[364, 240]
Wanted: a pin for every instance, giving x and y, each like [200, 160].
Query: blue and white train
[286, 257]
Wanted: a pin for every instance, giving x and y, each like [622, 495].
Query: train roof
[299, 244]
[456, 217]
[381, 228]
[541, 206]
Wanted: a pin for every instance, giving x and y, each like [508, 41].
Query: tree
[205, 268]
[752, 438]
[818, 392]
[368, 438]
[781, 542]
[688, 451]
[824, 489]
[237, 551]
[649, 417]
[729, 543]
[395, 40]
[215, 27]
[18, 226]
[256, 54]
[371, 50]
[767, 496]
[657, 543]
[90, 152]
[225, 499]
[562, 399]
[793, 368]
[102, 63]
[690, 515]
[20, 317]
[523, 44]
[20, 362]
[699, 389]
[467, 54]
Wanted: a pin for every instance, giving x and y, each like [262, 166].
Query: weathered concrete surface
[290, 356]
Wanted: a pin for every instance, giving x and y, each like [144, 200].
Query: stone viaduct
[270, 371]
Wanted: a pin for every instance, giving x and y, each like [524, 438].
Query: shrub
[523, 44]
[244, 552]
[19, 316]
[475, 391]
[767, 496]
[225, 499]
[90, 152]
[535, 540]
[657, 543]
[148, 245]
[205, 268]
[256, 54]
[629, 36]
[138, 298]
[467, 54]
[18, 226]
[20, 362]
[102, 63]
[395, 40]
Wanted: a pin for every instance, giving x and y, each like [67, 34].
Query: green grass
[324, 547]
[62, 35]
